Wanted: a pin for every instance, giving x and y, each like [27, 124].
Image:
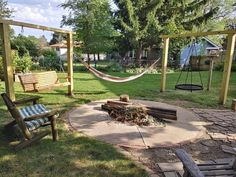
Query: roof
[212, 43]
[63, 44]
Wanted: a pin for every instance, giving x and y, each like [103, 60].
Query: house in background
[61, 49]
[199, 53]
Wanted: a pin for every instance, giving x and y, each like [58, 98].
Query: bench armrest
[189, 165]
[26, 100]
[39, 116]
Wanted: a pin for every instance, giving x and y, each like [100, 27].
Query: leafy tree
[143, 21]
[25, 45]
[5, 12]
[92, 21]
[42, 43]
[57, 38]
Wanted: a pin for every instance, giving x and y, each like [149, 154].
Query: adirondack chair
[30, 118]
[191, 169]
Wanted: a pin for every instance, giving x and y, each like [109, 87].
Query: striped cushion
[34, 110]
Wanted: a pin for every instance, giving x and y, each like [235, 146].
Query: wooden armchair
[191, 169]
[30, 118]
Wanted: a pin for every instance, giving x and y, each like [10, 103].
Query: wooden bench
[220, 169]
[34, 82]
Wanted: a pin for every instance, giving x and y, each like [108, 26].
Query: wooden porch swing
[35, 82]
[39, 81]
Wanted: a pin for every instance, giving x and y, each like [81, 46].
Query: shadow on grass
[72, 155]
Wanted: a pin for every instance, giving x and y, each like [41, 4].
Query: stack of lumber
[142, 111]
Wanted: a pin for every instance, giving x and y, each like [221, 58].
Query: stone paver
[93, 121]
[222, 123]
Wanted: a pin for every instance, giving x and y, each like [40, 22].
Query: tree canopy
[92, 21]
[143, 21]
[5, 12]
[25, 45]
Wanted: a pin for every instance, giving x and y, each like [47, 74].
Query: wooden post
[233, 106]
[70, 63]
[227, 67]
[7, 60]
[210, 74]
[164, 64]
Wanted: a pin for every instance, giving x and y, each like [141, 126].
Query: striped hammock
[110, 78]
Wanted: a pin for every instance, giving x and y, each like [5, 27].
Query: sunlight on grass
[77, 155]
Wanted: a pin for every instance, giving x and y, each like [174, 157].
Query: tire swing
[189, 85]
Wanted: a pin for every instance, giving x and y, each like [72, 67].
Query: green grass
[77, 155]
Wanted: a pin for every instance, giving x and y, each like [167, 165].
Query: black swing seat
[189, 87]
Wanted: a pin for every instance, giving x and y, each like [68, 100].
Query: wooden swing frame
[7, 60]
[231, 36]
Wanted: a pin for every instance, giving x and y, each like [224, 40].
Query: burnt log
[161, 113]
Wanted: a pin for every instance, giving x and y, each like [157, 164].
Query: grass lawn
[78, 155]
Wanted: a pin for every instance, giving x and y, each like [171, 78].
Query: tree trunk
[138, 54]
[94, 59]
[98, 57]
[88, 58]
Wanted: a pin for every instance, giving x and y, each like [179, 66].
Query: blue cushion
[34, 110]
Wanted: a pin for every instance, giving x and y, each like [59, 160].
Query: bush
[21, 64]
[50, 60]
[219, 67]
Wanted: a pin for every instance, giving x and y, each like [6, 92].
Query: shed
[203, 47]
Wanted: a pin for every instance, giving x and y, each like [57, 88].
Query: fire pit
[138, 114]
[94, 121]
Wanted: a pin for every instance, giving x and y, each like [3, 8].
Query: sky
[42, 12]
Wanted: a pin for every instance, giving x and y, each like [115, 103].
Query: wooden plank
[227, 67]
[199, 34]
[218, 172]
[30, 25]
[189, 165]
[166, 167]
[171, 174]
[233, 105]
[7, 60]
[164, 64]
[215, 167]
[31, 141]
[210, 74]
[70, 63]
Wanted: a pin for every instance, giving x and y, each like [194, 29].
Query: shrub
[50, 60]
[220, 67]
[22, 64]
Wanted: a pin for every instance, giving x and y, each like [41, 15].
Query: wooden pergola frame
[231, 36]
[7, 60]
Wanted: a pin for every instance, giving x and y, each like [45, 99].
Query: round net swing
[188, 83]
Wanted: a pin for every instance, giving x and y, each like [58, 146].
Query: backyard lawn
[77, 155]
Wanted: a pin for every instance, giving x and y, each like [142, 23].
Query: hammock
[110, 78]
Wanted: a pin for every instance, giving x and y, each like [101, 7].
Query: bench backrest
[46, 79]
[38, 81]
[28, 82]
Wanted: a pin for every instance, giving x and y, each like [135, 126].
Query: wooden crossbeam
[29, 25]
[199, 34]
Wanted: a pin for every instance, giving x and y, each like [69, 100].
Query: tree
[25, 45]
[143, 21]
[5, 12]
[92, 21]
[57, 38]
[42, 43]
